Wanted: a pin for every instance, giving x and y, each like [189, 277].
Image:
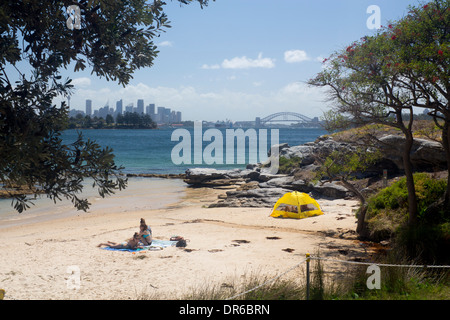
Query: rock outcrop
[256, 187]
[425, 154]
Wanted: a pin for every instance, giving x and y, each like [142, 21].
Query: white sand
[35, 257]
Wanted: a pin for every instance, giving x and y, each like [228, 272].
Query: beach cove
[223, 243]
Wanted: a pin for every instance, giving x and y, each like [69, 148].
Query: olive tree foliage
[114, 39]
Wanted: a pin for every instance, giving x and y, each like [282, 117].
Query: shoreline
[223, 243]
[156, 196]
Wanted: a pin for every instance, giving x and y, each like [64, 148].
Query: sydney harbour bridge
[294, 118]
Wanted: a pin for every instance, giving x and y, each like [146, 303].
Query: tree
[365, 88]
[109, 119]
[114, 40]
[422, 57]
[119, 119]
[342, 165]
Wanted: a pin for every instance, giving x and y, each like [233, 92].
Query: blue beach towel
[156, 245]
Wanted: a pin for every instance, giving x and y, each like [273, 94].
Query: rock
[207, 177]
[281, 147]
[248, 186]
[261, 188]
[332, 190]
[425, 154]
[264, 197]
[281, 182]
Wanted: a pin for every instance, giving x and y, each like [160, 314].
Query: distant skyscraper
[129, 108]
[178, 119]
[88, 107]
[103, 112]
[167, 115]
[140, 106]
[119, 106]
[150, 110]
[160, 116]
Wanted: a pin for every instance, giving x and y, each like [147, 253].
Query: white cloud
[81, 82]
[246, 63]
[165, 44]
[243, 63]
[292, 56]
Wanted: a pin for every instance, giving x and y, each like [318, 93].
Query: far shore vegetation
[128, 120]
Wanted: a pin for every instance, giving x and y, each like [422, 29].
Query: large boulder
[426, 155]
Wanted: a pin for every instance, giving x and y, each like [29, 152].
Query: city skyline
[158, 114]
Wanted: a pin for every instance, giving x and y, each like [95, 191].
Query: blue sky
[239, 59]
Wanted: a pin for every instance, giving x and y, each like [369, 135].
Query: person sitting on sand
[132, 243]
[148, 227]
[144, 234]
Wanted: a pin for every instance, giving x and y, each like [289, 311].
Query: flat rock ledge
[254, 188]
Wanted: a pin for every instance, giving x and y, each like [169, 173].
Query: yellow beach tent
[296, 205]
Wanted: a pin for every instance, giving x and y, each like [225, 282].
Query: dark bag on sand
[181, 243]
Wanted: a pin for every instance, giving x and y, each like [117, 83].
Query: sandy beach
[37, 256]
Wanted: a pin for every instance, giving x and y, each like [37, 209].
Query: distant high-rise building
[140, 106]
[129, 108]
[173, 117]
[119, 107]
[103, 112]
[166, 118]
[88, 107]
[160, 115]
[150, 110]
[178, 118]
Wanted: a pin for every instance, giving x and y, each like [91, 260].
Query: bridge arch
[286, 117]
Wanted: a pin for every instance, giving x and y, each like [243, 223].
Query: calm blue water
[149, 151]
[139, 151]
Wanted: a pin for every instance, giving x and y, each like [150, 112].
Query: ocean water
[149, 151]
[139, 151]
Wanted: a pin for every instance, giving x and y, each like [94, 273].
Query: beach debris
[273, 238]
[139, 257]
[241, 241]
[215, 250]
[288, 250]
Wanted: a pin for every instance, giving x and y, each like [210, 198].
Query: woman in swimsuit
[132, 243]
[145, 233]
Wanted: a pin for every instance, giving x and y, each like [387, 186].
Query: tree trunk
[361, 227]
[446, 145]
[412, 198]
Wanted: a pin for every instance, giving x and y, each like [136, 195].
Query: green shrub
[287, 165]
[387, 215]
[395, 197]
